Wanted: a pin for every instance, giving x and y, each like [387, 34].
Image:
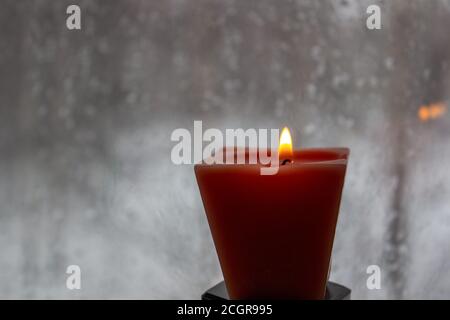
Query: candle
[274, 233]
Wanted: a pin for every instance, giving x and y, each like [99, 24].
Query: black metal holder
[334, 292]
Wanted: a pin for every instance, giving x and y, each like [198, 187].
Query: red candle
[274, 233]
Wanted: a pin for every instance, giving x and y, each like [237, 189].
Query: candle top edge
[301, 157]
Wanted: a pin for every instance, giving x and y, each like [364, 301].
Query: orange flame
[432, 111]
[285, 147]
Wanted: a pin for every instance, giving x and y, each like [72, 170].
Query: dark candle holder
[334, 291]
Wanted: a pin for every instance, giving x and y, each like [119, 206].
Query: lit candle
[274, 233]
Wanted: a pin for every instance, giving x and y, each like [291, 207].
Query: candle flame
[285, 147]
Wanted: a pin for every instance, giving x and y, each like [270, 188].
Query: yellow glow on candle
[285, 147]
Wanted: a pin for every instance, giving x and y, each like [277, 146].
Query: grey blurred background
[86, 118]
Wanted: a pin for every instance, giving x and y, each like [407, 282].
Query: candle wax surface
[274, 233]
